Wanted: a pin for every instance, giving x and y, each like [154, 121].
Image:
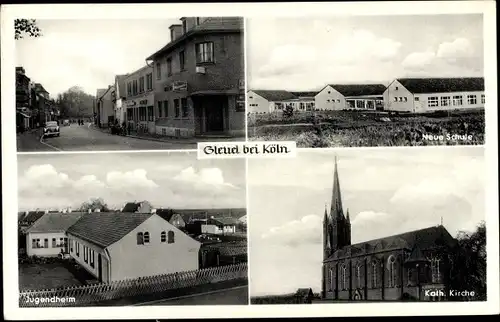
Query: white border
[161, 11]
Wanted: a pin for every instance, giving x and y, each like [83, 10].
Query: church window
[435, 268]
[331, 280]
[410, 276]
[343, 278]
[391, 263]
[374, 275]
[358, 276]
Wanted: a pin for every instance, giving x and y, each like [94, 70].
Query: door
[99, 268]
[214, 111]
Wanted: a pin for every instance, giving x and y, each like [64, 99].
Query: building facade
[199, 79]
[105, 106]
[139, 101]
[119, 99]
[394, 268]
[420, 95]
[117, 246]
[271, 101]
[351, 96]
[226, 225]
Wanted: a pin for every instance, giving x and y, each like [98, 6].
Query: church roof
[336, 205]
[424, 239]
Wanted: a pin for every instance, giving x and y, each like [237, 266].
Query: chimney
[188, 23]
[175, 32]
[97, 210]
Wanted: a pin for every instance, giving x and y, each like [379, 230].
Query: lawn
[358, 128]
[45, 276]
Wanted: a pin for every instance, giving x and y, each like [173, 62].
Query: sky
[167, 180]
[310, 53]
[387, 192]
[89, 53]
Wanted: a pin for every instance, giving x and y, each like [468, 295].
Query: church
[410, 266]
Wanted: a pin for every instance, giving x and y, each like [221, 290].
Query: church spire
[347, 216]
[336, 206]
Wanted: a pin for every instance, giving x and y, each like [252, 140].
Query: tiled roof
[274, 96]
[229, 248]
[106, 228]
[209, 25]
[305, 94]
[55, 222]
[442, 85]
[131, 207]
[426, 238]
[359, 89]
[32, 216]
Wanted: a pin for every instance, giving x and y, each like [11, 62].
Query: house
[171, 217]
[199, 78]
[390, 268]
[350, 96]
[105, 106]
[418, 95]
[269, 101]
[23, 99]
[139, 100]
[305, 101]
[119, 99]
[30, 218]
[141, 207]
[114, 246]
[47, 236]
[222, 225]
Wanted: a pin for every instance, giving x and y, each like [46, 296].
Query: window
[360, 104]
[149, 81]
[471, 99]
[184, 26]
[405, 99]
[46, 243]
[181, 60]
[395, 99]
[85, 254]
[171, 237]
[343, 278]
[78, 249]
[432, 101]
[158, 70]
[331, 280]
[163, 236]
[400, 99]
[483, 98]
[397, 87]
[198, 21]
[205, 52]
[436, 270]
[279, 106]
[410, 276]
[160, 108]
[417, 98]
[177, 108]
[151, 116]
[374, 275]
[134, 87]
[92, 254]
[445, 101]
[129, 88]
[338, 100]
[146, 238]
[457, 100]
[33, 243]
[141, 84]
[185, 111]
[165, 106]
[140, 239]
[328, 101]
[358, 276]
[169, 66]
[54, 243]
[142, 113]
[391, 265]
[71, 242]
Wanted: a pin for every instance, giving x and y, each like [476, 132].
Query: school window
[85, 254]
[360, 104]
[163, 237]
[169, 66]
[395, 99]
[457, 100]
[205, 52]
[171, 237]
[279, 106]
[64, 241]
[33, 243]
[146, 238]
[471, 99]
[400, 99]
[140, 239]
[185, 111]
[158, 70]
[71, 242]
[165, 106]
[374, 275]
[181, 60]
[445, 101]
[151, 116]
[149, 81]
[405, 99]
[417, 98]
[160, 108]
[54, 243]
[46, 243]
[78, 249]
[92, 254]
[483, 98]
[177, 108]
[432, 101]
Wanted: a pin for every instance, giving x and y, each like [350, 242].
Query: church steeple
[336, 211]
[326, 236]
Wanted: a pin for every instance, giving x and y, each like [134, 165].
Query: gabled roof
[359, 89]
[131, 207]
[209, 25]
[426, 238]
[101, 92]
[39, 88]
[442, 85]
[166, 214]
[32, 216]
[106, 228]
[305, 94]
[273, 96]
[55, 222]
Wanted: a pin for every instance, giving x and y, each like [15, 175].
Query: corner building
[199, 79]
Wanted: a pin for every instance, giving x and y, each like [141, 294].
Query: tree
[468, 271]
[26, 26]
[93, 204]
[288, 111]
[75, 103]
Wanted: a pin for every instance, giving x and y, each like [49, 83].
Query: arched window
[171, 237]
[331, 280]
[343, 278]
[391, 265]
[374, 274]
[146, 238]
[436, 270]
[358, 276]
[163, 236]
[140, 239]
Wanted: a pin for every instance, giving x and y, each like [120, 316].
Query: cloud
[44, 176]
[212, 177]
[136, 178]
[419, 60]
[306, 230]
[459, 48]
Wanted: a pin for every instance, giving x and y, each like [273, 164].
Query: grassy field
[45, 276]
[359, 128]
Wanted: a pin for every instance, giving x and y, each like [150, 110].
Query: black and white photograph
[128, 84]
[350, 226]
[131, 229]
[357, 81]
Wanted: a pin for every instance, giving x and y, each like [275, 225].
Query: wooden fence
[144, 286]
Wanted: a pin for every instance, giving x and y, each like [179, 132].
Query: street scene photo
[390, 225]
[120, 229]
[357, 81]
[104, 85]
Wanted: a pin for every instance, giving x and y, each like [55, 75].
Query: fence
[144, 286]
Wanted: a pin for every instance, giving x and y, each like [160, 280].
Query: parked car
[51, 129]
